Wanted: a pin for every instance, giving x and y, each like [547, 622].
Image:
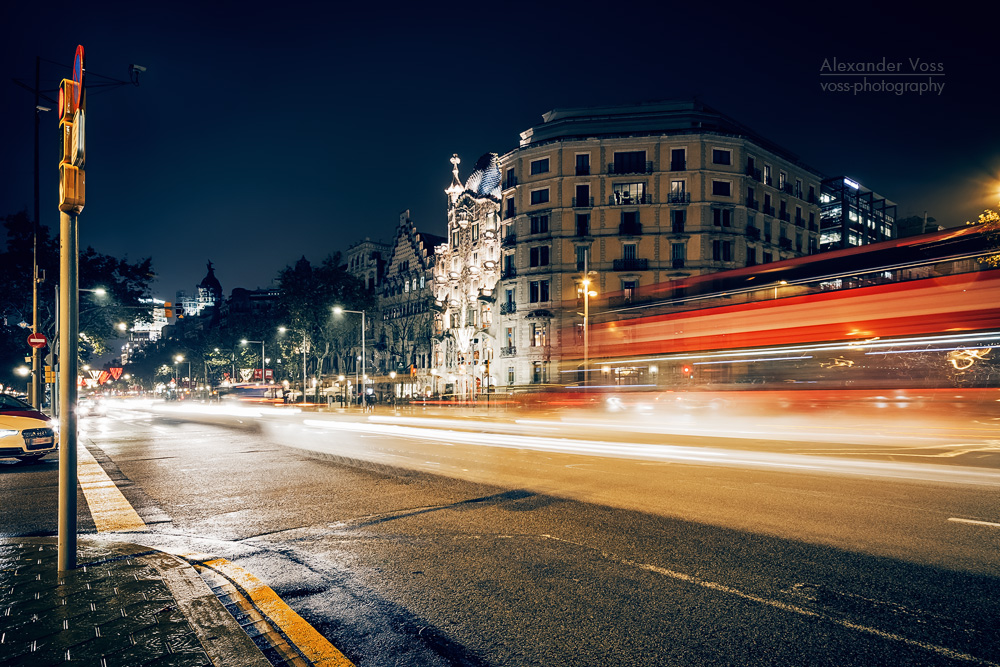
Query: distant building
[366, 261]
[143, 333]
[207, 294]
[853, 215]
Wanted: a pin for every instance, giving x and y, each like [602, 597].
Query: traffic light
[179, 310]
[168, 310]
[73, 151]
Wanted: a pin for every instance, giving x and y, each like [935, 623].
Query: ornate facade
[465, 276]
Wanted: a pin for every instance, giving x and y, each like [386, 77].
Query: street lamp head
[23, 371]
[100, 291]
[243, 342]
[179, 357]
[337, 310]
[282, 329]
[122, 326]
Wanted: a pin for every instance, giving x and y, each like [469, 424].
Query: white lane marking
[802, 611]
[973, 521]
[109, 508]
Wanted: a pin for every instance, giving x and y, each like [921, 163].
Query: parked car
[25, 433]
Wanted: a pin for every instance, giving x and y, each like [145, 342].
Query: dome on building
[210, 285]
[485, 178]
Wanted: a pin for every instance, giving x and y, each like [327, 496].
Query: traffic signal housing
[168, 310]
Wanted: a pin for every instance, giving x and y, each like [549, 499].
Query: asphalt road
[496, 543]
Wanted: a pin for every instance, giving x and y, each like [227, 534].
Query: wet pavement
[124, 605]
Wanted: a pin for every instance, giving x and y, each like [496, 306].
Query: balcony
[788, 189]
[769, 180]
[677, 228]
[632, 264]
[511, 212]
[785, 243]
[768, 210]
[678, 165]
[754, 174]
[679, 198]
[753, 233]
[677, 263]
[753, 203]
[509, 272]
[631, 169]
[813, 227]
[509, 182]
[582, 230]
[510, 351]
[630, 229]
[508, 307]
[509, 240]
[783, 216]
[626, 199]
[583, 202]
[800, 221]
[583, 170]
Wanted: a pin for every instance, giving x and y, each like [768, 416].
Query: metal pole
[69, 307]
[586, 315]
[36, 375]
[364, 388]
[303, 368]
[56, 349]
[262, 372]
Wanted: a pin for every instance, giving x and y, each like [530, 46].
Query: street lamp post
[337, 310]
[587, 293]
[262, 371]
[179, 359]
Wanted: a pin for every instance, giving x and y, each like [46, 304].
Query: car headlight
[4, 432]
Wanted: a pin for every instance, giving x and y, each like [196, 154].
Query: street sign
[38, 340]
[79, 68]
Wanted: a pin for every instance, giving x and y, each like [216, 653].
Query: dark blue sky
[263, 132]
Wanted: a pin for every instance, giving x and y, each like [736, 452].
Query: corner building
[637, 195]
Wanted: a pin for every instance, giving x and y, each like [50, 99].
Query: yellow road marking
[110, 509]
[313, 645]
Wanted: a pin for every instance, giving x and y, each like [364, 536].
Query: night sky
[264, 132]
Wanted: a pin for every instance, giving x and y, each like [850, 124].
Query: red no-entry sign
[38, 340]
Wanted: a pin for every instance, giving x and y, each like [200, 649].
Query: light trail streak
[672, 453]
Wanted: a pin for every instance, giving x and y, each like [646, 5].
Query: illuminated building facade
[407, 304]
[853, 215]
[466, 272]
[640, 194]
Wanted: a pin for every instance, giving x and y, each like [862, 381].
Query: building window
[510, 375]
[454, 239]
[538, 335]
[509, 336]
[509, 209]
[722, 188]
[782, 178]
[540, 166]
[538, 372]
[628, 193]
[751, 256]
[722, 156]
[510, 180]
[678, 253]
[539, 256]
[583, 224]
[582, 198]
[509, 296]
[538, 291]
[539, 224]
[583, 164]
[722, 251]
[722, 217]
[677, 187]
[475, 232]
[677, 222]
[767, 259]
[678, 159]
[767, 175]
[628, 289]
[628, 251]
[540, 196]
[582, 252]
[630, 162]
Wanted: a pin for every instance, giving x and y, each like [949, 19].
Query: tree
[125, 284]
[990, 220]
[309, 294]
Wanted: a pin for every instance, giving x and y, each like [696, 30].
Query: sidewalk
[123, 606]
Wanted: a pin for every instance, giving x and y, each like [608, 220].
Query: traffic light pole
[69, 326]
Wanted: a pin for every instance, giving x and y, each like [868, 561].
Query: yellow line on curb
[306, 639]
[110, 509]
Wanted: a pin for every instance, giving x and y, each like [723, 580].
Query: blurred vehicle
[92, 406]
[252, 393]
[25, 433]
